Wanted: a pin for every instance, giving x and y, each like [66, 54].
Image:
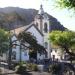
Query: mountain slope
[14, 17]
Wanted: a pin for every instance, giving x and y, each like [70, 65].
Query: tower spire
[41, 11]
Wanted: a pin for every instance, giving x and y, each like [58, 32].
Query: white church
[39, 28]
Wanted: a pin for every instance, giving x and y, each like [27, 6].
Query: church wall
[46, 37]
[25, 57]
[35, 33]
[40, 56]
[45, 20]
[40, 40]
[24, 53]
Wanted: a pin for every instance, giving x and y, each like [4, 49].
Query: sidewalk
[40, 73]
[6, 71]
[10, 72]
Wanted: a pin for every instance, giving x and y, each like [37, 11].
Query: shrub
[32, 67]
[0, 70]
[21, 70]
[28, 65]
[55, 68]
[21, 63]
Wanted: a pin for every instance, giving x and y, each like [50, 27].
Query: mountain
[14, 17]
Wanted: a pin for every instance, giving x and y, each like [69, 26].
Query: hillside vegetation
[14, 17]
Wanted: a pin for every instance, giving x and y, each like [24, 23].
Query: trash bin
[40, 68]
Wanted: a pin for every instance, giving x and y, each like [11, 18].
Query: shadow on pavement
[26, 73]
[7, 73]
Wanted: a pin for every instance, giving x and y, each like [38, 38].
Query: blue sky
[63, 15]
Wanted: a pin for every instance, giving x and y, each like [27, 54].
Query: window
[46, 45]
[37, 25]
[46, 55]
[53, 57]
[40, 54]
[14, 55]
[61, 57]
[25, 53]
[45, 28]
[51, 50]
[55, 50]
[14, 46]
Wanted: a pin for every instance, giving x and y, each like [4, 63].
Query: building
[39, 28]
[25, 53]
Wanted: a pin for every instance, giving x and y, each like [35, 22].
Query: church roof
[25, 28]
[35, 27]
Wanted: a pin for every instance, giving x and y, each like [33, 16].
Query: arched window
[14, 55]
[37, 25]
[25, 53]
[46, 45]
[45, 27]
[14, 46]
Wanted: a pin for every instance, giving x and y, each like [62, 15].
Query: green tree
[70, 4]
[26, 37]
[64, 40]
[4, 42]
[9, 19]
[31, 40]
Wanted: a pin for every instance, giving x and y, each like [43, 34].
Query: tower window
[45, 27]
[37, 25]
[46, 45]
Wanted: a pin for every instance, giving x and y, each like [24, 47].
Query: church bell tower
[42, 23]
[42, 20]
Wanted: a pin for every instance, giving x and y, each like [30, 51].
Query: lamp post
[9, 21]
[20, 54]
[10, 49]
